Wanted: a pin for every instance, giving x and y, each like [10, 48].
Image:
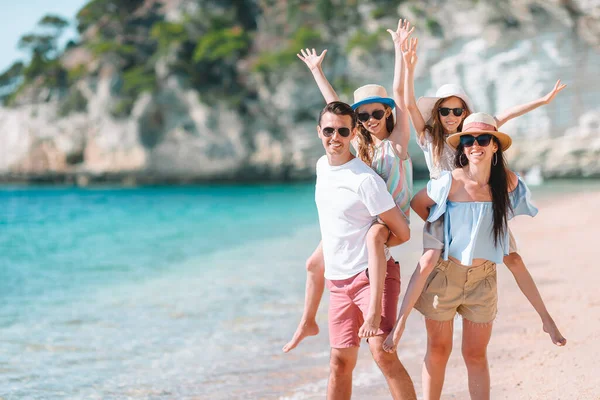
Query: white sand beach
[557, 246]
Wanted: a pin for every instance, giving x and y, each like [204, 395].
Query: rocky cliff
[201, 111]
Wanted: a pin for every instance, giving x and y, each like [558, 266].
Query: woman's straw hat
[480, 123]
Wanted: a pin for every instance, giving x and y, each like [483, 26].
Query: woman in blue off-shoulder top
[477, 199]
[434, 119]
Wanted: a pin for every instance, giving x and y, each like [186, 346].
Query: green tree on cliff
[43, 51]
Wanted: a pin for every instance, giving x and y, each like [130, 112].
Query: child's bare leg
[376, 238]
[426, 264]
[315, 284]
[515, 264]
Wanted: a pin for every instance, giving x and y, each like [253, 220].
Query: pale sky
[19, 17]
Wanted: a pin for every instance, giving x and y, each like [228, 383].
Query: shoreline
[143, 179]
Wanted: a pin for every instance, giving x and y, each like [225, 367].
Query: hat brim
[425, 105]
[505, 140]
[375, 99]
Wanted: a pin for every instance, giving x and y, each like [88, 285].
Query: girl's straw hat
[371, 94]
[480, 123]
[425, 104]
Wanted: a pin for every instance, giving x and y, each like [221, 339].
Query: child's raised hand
[311, 59]
[409, 53]
[402, 33]
[391, 342]
[557, 88]
[388, 345]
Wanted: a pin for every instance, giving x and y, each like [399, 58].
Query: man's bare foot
[551, 329]
[370, 327]
[309, 328]
[391, 342]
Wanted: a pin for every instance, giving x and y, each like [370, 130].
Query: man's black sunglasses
[328, 131]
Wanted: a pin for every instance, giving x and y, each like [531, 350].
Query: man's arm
[396, 222]
[374, 194]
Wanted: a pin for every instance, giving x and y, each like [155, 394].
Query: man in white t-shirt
[349, 197]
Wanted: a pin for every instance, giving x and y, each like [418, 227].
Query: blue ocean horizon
[159, 292]
[140, 290]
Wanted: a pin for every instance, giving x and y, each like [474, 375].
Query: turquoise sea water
[158, 292]
[110, 293]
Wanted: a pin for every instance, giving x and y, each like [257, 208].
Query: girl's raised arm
[521, 109]
[313, 62]
[401, 132]
[409, 54]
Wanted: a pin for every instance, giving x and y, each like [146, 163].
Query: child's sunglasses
[328, 131]
[377, 114]
[469, 140]
[445, 111]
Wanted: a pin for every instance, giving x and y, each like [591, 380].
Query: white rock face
[503, 56]
[502, 68]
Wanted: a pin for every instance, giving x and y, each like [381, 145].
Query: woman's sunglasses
[482, 140]
[445, 111]
[328, 131]
[377, 114]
